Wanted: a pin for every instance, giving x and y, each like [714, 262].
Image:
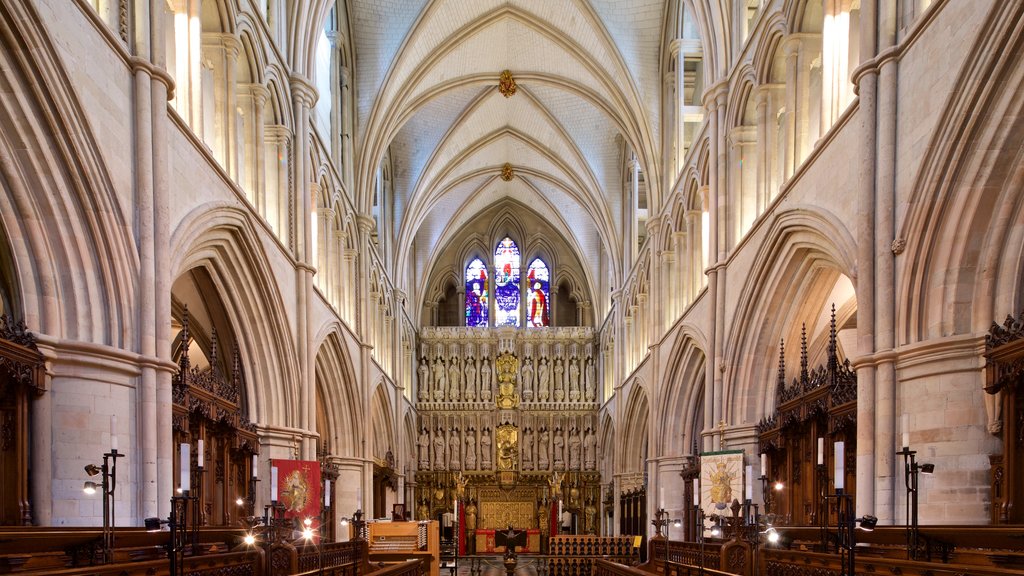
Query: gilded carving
[507, 84]
[507, 437]
[507, 366]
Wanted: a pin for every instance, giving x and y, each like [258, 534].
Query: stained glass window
[506, 283]
[538, 303]
[476, 293]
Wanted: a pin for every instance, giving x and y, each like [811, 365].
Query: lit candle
[255, 466]
[113, 432]
[840, 466]
[696, 492]
[764, 464]
[559, 509]
[327, 493]
[905, 426]
[186, 467]
[273, 483]
[821, 451]
[199, 454]
[749, 494]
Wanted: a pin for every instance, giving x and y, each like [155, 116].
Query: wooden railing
[417, 567]
[249, 563]
[798, 563]
[685, 553]
[339, 558]
[608, 568]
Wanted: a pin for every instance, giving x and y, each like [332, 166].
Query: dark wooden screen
[21, 380]
[819, 403]
[207, 405]
[1004, 372]
[633, 515]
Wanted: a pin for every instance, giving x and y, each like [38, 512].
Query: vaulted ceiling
[426, 76]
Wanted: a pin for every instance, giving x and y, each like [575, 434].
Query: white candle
[764, 464]
[273, 483]
[186, 467]
[113, 432]
[327, 493]
[905, 426]
[696, 492]
[821, 451]
[840, 466]
[255, 466]
[750, 483]
[456, 505]
[199, 455]
[559, 510]
[661, 495]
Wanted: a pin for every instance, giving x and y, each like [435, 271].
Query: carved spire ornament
[506, 172]
[507, 84]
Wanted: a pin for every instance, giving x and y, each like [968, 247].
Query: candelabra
[846, 523]
[911, 469]
[108, 482]
[662, 520]
[177, 522]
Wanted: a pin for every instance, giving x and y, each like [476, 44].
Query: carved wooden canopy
[19, 355]
[828, 391]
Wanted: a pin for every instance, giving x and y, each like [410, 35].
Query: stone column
[865, 234]
[762, 146]
[887, 112]
[304, 95]
[791, 48]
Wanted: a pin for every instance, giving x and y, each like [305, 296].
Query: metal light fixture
[772, 535]
[154, 524]
[249, 539]
[92, 469]
[927, 468]
[779, 485]
[91, 487]
[868, 522]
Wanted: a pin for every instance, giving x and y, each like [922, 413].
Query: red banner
[298, 488]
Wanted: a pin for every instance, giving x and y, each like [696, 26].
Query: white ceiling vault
[426, 76]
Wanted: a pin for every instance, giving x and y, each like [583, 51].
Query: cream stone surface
[702, 185]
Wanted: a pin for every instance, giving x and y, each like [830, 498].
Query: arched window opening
[539, 295]
[476, 294]
[506, 283]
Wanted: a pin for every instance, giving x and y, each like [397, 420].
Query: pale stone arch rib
[635, 429]
[639, 132]
[221, 238]
[65, 157]
[686, 370]
[799, 241]
[975, 133]
[339, 390]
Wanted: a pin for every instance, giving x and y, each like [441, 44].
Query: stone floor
[491, 566]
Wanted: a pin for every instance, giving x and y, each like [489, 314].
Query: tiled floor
[491, 566]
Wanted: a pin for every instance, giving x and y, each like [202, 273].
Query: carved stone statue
[424, 381]
[590, 449]
[528, 380]
[590, 382]
[470, 380]
[543, 381]
[454, 379]
[528, 449]
[574, 380]
[543, 462]
[575, 445]
[422, 511]
[470, 450]
[439, 449]
[440, 381]
[454, 447]
[559, 449]
[485, 380]
[485, 449]
[423, 444]
[559, 393]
